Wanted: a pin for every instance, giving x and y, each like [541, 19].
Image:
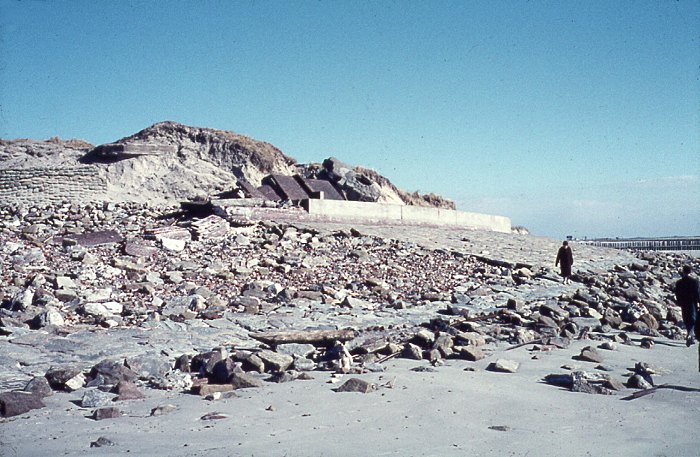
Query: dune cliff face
[170, 162]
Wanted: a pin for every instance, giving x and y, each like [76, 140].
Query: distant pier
[676, 243]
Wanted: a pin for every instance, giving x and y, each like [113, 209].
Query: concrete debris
[223, 306]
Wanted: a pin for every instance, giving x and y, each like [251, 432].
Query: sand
[445, 412]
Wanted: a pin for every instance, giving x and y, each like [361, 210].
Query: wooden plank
[304, 336]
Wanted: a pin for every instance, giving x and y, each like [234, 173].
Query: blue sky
[572, 118]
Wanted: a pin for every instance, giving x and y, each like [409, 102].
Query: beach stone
[162, 410]
[254, 362]
[245, 381]
[174, 380]
[579, 383]
[304, 364]
[608, 345]
[357, 385]
[93, 398]
[425, 337]
[65, 378]
[444, 343]
[281, 377]
[127, 390]
[50, 316]
[39, 386]
[106, 309]
[612, 318]
[102, 442]
[471, 353]
[471, 338]
[109, 412]
[65, 282]
[173, 245]
[590, 354]
[111, 372]
[16, 403]
[411, 351]
[613, 384]
[275, 361]
[637, 381]
[504, 366]
[547, 321]
[223, 371]
[22, 299]
[647, 343]
[214, 416]
[65, 295]
[148, 366]
[558, 341]
[296, 349]
[205, 390]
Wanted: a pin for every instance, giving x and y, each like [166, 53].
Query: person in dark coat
[565, 258]
[687, 291]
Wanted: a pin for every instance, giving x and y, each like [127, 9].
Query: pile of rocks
[72, 272]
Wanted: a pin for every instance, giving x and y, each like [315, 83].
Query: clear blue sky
[572, 117]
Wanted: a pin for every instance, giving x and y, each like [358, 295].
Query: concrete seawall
[336, 209]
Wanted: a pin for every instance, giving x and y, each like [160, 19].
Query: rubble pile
[109, 299]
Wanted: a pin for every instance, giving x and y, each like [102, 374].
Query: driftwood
[390, 356]
[306, 336]
[645, 392]
[519, 345]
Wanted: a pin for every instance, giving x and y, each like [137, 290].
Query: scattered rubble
[213, 304]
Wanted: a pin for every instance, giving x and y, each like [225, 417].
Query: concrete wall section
[478, 220]
[50, 185]
[344, 209]
[334, 209]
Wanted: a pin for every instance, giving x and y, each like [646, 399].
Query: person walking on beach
[565, 258]
[687, 291]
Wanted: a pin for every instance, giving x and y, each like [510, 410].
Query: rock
[173, 245]
[471, 353]
[613, 384]
[275, 361]
[16, 403]
[214, 416]
[223, 371]
[65, 378]
[504, 366]
[590, 354]
[127, 390]
[608, 345]
[357, 385]
[281, 377]
[162, 410]
[93, 398]
[107, 309]
[109, 412]
[296, 349]
[102, 442]
[111, 372]
[50, 316]
[411, 351]
[204, 390]
[65, 282]
[174, 380]
[39, 386]
[303, 364]
[637, 381]
[500, 428]
[471, 338]
[148, 366]
[244, 381]
[444, 343]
